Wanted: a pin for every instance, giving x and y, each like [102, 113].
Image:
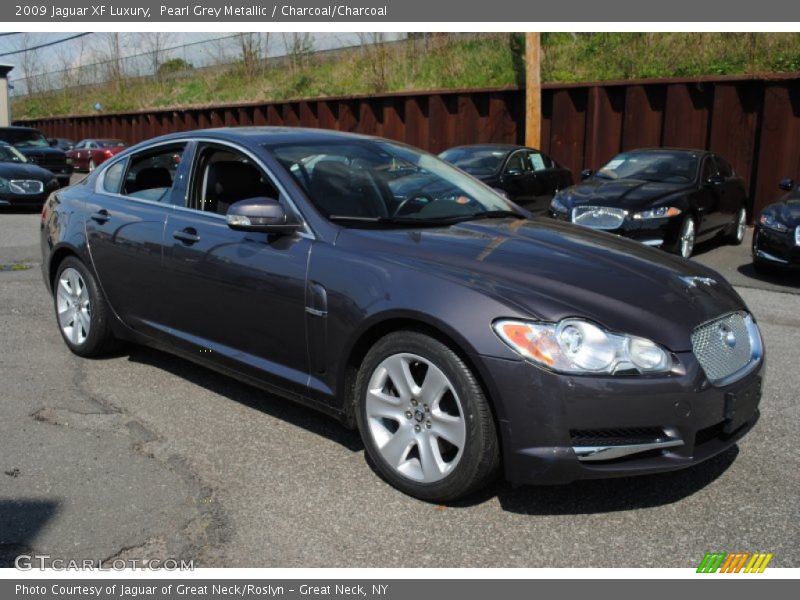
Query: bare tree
[299, 47]
[254, 47]
[31, 63]
[373, 47]
[155, 43]
[111, 53]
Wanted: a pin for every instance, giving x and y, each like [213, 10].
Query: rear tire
[81, 310]
[426, 424]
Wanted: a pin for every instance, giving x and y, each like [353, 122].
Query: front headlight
[662, 212]
[578, 346]
[771, 222]
[557, 204]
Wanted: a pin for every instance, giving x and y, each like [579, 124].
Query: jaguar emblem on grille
[727, 336]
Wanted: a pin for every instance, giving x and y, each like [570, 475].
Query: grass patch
[443, 62]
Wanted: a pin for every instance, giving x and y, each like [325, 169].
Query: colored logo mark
[738, 562]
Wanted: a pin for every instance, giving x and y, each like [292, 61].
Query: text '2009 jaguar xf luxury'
[387, 288]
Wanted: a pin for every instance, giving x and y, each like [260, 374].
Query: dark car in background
[64, 144]
[776, 237]
[663, 197]
[21, 183]
[32, 143]
[88, 154]
[527, 176]
[458, 334]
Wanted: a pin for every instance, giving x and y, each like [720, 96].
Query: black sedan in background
[527, 176]
[21, 183]
[32, 143]
[776, 239]
[663, 197]
[458, 335]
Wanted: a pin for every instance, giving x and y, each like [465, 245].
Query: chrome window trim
[306, 231]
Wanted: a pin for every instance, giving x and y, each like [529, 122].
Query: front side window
[224, 176]
[151, 173]
[516, 163]
[478, 161]
[361, 181]
[661, 166]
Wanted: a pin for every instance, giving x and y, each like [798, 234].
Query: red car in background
[90, 153]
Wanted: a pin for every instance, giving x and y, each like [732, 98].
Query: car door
[516, 179]
[547, 178]
[125, 227]
[734, 195]
[237, 296]
[707, 199]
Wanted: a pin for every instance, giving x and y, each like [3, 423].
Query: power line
[10, 33]
[48, 44]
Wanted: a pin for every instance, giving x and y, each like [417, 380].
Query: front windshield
[11, 154]
[659, 166]
[480, 162]
[26, 139]
[379, 181]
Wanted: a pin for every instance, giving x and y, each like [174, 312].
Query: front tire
[426, 424]
[81, 310]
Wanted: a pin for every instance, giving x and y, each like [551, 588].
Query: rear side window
[151, 174]
[724, 167]
[113, 177]
[539, 161]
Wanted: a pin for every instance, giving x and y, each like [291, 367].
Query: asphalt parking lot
[144, 455]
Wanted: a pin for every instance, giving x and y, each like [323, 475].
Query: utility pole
[533, 91]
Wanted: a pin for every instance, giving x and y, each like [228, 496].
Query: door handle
[101, 216]
[188, 236]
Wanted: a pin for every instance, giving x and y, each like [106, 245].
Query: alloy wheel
[741, 224]
[415, 418]
[74, 306]
[687, 238]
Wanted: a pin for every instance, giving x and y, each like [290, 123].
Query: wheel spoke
[66, 316]
[399, 372]
[75, 332]
[430, 459]
[396, 449]
[448, 428]
[85, 322]
[434, 386]
[384, 405]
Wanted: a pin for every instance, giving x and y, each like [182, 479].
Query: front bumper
[544, 417]
[652, 232]
[776, 248]
[13, 200]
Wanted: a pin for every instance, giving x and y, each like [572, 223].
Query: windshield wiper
[493, 214]
[393, 220]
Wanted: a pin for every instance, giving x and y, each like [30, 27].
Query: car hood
[40, 150]
[10, 170]
[551, 270]
[787, 211]
[630, 194]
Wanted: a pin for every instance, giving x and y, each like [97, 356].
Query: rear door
[547, 177]
[237, 296]
[734, 195]
[707, 199]
[125, 228]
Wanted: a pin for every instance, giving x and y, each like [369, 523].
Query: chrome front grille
[598, 217]
[26, 186]
[727, 348]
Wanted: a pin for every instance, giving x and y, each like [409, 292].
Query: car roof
[668, 149]
[503, 147]
[19, 128]
[269, 135]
